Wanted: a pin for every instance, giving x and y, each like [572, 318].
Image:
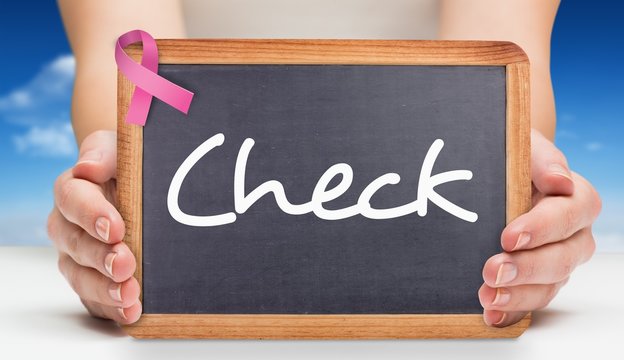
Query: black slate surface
[305, 118]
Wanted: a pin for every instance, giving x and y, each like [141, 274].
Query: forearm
[92, 27]
[527, 23]
[94, 101]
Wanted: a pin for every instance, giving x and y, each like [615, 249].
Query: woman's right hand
[87, 230]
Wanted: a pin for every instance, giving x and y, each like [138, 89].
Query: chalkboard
[207, 250]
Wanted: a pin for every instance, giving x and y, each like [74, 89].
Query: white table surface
[40, 316]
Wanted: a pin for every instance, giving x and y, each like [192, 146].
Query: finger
[553, 218]
[544, 265]
[89, 284]
[97, 161]
[127, 315]
[115, 261]
[498, 318]
[83, 203]
[549, 168]
[519, 298]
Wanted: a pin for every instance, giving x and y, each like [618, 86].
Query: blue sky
[587, 53]
[36, 142]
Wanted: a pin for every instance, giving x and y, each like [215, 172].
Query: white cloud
[41, 107]
[64, 65]
[51, 86]
[18, 99]
[55, 140]
[593, 146]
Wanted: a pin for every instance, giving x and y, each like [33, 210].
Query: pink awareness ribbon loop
[145, 77]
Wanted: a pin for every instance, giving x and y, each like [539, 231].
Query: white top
[41, 318]
[326, 19]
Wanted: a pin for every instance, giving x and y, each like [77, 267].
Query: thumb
[549, 169]
[97, 161]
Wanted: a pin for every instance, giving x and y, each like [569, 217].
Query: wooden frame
[372, 52]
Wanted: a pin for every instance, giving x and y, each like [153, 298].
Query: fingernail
[121, 313]
[506, 273]
[494, 317]
[91, 155]
[115, 292]
[559, 170]
[502, 319]
[102, 227]
[523, 240]
[108, 263]
[503, 296]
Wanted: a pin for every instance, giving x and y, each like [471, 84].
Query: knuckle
[94, 309]
[590, 247]
[518, 300]
[66, 188]
[70, 273]
[562, 283]
[595, 201]
[596, 206]
[569, 220]
[58, 183]
[74, 281]
[529, 270]
[86, 217]
[60, 263]
[51, 227]
[566, 265]
[99, 137]
[559, 157]
[90, 307]
[73, 243]
[551, 292]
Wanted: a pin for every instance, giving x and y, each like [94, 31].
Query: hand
[543, 246]
[87, 230]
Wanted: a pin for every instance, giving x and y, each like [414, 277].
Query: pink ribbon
[145, 77]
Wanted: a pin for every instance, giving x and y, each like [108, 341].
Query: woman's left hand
[543, 246]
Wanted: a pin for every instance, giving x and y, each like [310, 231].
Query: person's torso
[330, 19]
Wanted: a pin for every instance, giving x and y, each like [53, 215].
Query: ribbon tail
[139, 107]
[145, 77]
